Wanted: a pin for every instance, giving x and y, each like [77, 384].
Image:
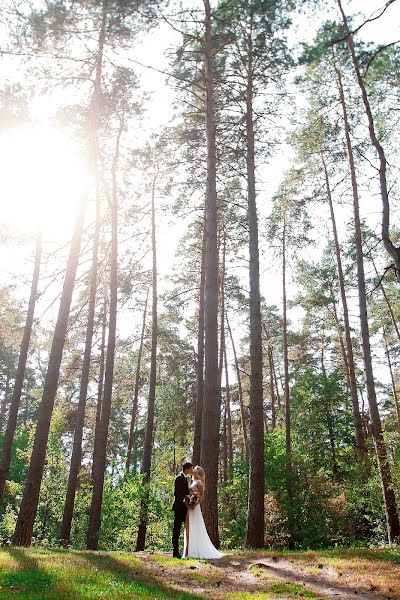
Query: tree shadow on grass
[30, 580]
[136, 573]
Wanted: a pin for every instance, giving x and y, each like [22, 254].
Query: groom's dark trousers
[181, 490]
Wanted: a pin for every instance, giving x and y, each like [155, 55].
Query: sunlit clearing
[42, 181]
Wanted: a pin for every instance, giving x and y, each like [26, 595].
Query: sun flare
[42, 180]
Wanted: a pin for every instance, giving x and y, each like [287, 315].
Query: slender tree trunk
[3, 410]
[329, 417]
[148, 442]
[100, 385]
[200, 356]
[392, 379]
[228, 418]
[240, 392]
[255, 509]
[392, 518]
[278, 396]
[136, 391]
[224, 460]
[224, 453]
[271, 387]
[360, 437]
[76, 457]
[341, 342]
[388, 304]
[288, 434]
[391, 249]
[101, 437]
[20, 374]
[24, 528]
[222, 314]
[211, 402]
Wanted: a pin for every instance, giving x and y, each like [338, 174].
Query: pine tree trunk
[30, 500]
[271, 387]
[388, 304]
[392, 379]
[211, 402]
[3, 409]
[390, 247]
[341, 342]
[329, 418]
[288, 434]
[101, 437]
[228, 417]
[20, 374]
[255, 514]
[148, 442]
[76, 457]
[136, 392]
[392, 519]
[200, 356]
[240, 392]
[222, 316]
[278, 396]
[100, 385]
[360, 437]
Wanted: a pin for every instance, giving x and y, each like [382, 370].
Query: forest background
[105, 100]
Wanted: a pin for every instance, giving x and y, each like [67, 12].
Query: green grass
[40, 574]
[292, 590]
[60, 575]
[168, 561]
[276, 587]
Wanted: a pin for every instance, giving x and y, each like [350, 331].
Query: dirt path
[241, 577]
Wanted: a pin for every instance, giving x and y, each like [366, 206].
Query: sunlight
[42, 180]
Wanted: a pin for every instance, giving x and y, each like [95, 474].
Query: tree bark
[240, 392]
[100, 385]
[392, 379]
[278, 396]
[136, 391]
[20, 374]
[360, 437]
[391, 249]
[288, 435]
[30, 500]
[255, 514]
[211, 402]
[76, 457]
[101, 437]
[341, 342]
[200, 356]
[228, 417]
[388, 304]
[148, 442]
[271, 387]
[3, 410]
[392, 519]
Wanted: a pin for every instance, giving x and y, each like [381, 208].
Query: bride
[197, 542]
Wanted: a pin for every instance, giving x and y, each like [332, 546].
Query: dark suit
[181, 490]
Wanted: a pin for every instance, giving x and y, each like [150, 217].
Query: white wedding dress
[200, 545]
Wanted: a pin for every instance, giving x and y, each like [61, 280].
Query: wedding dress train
[200, 545]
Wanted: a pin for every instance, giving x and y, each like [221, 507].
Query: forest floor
[39, 574]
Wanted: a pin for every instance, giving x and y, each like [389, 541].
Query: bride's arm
[199, 487]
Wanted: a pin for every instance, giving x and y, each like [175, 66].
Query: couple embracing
[187, 499]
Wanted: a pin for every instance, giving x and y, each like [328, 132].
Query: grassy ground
[39, 574]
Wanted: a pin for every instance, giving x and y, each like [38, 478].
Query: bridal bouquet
[192, 500]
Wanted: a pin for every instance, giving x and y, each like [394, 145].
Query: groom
[179, 507]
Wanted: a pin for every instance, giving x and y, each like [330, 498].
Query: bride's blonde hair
[200, 472]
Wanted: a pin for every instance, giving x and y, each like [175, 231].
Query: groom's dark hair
[186, 465]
